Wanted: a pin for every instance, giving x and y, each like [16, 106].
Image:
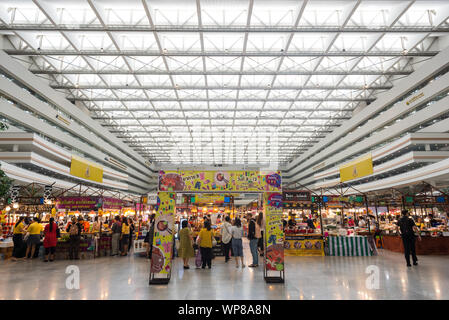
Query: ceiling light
[15, 205]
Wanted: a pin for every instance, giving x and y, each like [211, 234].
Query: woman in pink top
[50, 240]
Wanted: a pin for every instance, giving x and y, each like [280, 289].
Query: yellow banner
[210, 198]
[220, 181]
[164, 229]
[86, 169]
[304, 247]
[356, 169]
[274, 232]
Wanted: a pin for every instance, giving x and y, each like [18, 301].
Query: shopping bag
[198, 261]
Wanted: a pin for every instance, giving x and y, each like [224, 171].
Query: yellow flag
[86, 169]
[357, 168]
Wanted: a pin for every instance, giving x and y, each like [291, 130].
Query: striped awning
[349, 246]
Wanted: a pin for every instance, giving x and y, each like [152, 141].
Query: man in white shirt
[226, 237]
[362, 222]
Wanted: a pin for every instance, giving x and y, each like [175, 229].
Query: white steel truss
[158, 72]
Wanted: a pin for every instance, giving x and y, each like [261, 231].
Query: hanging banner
[85, 169]
[161, 259]
[274, 239]
[47, 193]
[112, 203]
[358, 168]
[78, 203]
[303, 246]
[220, 181]
[14, 193]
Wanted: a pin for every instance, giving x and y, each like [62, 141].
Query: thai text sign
[296, 196]
[77, 203]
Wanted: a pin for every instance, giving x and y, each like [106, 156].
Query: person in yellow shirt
[34, 238]
[125, 237]
[205, 241]
[17, 238]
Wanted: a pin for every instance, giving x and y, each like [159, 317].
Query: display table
[104, 245]
[303, 245]
[87, 248]
[428, 245]
[349, 246]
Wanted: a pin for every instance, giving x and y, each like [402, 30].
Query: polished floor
[306, 278]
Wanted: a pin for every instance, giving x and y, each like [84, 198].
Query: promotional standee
[162, 254]
[269, 183]
[274, 238]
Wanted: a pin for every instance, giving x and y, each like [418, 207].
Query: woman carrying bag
[51, 233]
[185, 244]
[205, 242]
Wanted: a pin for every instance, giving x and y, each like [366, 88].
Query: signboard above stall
[89, 203]
[296, 196]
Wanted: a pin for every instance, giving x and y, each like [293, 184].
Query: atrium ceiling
[222, 82]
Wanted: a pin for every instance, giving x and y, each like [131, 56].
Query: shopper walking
[34, 239]
[74, 230]
[185, 244]
[310, 223]
[116, 232]
[96, 226]
[125, 236]
[406, 228]
[260, 227]
[131, 233]
[237, 245]
[226, 238]
[50, 240]
[17, 239]
[205, 242]
[253, 241]
[149, 237]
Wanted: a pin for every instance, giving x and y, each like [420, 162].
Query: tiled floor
[306, 278]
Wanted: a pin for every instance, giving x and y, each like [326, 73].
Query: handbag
[198, 259]
[214, 242]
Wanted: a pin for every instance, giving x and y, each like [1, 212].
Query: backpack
[73, 230]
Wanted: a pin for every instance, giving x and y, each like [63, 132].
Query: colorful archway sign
[267, 182]
[220, 181]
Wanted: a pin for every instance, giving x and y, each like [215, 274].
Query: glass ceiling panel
[173, 13]
[224, 13]
[237, 67]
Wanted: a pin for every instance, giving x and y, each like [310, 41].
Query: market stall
[427, 246]
[303, 233]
